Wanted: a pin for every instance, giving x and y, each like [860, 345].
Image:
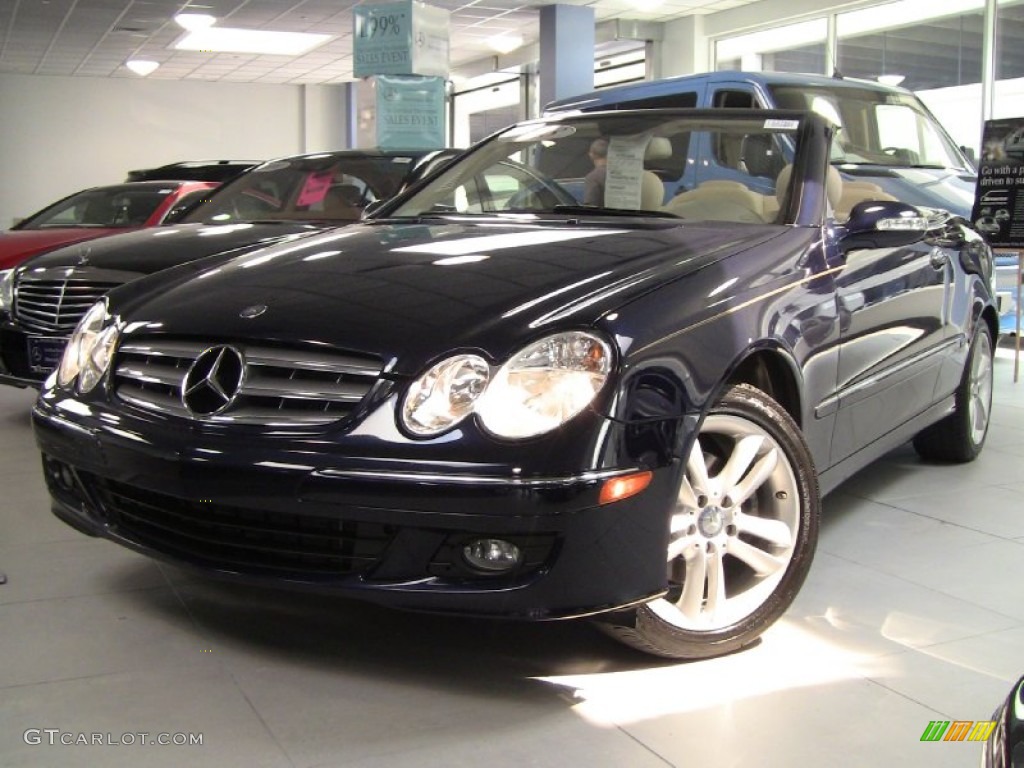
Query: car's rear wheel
[742, 534]
[960, 436]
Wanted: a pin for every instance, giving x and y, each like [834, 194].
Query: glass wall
[932, 47]
[1009, 91]
[791, 48]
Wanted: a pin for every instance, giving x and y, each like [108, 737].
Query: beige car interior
[729, 200]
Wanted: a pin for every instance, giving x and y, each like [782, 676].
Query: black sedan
[490, 399]
[42, 301]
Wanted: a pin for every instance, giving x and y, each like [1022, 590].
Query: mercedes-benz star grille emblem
[213, 381]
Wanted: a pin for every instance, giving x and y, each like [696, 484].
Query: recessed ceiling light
[194, 21]
[228, 40]
[505, 43]
[142, 67]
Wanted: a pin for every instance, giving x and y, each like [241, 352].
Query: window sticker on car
[782, 125]
[625, 170]
[315, 188]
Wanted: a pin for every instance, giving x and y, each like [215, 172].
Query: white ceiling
[93, 38]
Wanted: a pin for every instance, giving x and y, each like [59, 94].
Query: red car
[100, 211]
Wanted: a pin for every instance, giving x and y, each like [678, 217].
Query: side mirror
[882, 224]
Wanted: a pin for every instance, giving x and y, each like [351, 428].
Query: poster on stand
[999, 198]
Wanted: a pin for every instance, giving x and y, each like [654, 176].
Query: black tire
[749, 447]
[959, 437]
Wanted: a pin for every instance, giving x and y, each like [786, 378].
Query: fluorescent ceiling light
[142, 67]
[193, 22]
[647, 5]
[228, 40]
[505, 43]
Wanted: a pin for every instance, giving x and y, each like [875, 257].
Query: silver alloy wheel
[980, 389]
[748, 511]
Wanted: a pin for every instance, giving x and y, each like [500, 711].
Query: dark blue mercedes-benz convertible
[492, 399]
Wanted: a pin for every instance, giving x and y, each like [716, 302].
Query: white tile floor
[913, 612]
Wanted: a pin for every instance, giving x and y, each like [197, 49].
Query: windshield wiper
[597, 210]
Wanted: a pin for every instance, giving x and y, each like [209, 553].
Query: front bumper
[16, 367]
[380, 529]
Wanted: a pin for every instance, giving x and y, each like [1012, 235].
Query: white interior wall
[62, 134]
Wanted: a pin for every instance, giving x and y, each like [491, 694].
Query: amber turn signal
[619, 488]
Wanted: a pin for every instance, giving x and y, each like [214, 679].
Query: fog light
[492, 555]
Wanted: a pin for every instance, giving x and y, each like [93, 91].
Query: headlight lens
[6, 289]
[445, 394]
[89, 351]
[545, 385]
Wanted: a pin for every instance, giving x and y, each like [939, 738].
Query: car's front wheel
[742, 534]
[960, 436]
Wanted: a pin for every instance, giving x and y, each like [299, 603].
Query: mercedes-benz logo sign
[213, 381]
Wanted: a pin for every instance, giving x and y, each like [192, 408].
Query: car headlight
[445, 394]
[545, 384]
[89, 351]
[6, 289]
[540, 388]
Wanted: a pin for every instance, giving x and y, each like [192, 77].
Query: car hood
[409, 291]
[16, 245]
[150, 250]
[926, 187]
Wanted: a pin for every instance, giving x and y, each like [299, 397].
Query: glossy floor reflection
[913, 612]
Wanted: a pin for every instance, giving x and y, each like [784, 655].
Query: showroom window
[619, 69]
[932, 48]
[792, 48]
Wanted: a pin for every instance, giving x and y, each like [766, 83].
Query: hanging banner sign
[999, 199]
[401, 112]
[401, 38]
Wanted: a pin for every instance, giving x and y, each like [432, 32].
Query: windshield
[890, 128]
[107, 207]
[329, 187]
[626, 164]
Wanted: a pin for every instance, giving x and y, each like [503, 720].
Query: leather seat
[721, 200]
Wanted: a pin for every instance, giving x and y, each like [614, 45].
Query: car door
[894, 335]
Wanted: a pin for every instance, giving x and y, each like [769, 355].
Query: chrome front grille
[278, 387]
[55, 304]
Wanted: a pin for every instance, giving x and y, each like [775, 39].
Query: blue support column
[566, 51]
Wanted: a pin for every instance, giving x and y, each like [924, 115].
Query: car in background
[284, 199]
[98, 212]
[490, 399]
[195, 170]
[1004, 747]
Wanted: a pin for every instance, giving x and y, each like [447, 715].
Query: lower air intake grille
[247, 541]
